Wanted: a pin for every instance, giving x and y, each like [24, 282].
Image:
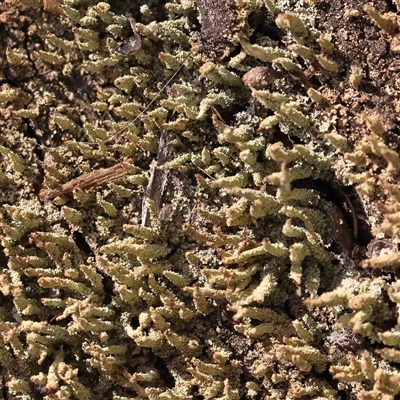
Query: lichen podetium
[238, 238]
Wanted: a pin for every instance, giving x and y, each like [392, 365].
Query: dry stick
[158, 177]
[86, 181]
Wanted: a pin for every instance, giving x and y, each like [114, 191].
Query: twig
[158, 177]
[86, 181]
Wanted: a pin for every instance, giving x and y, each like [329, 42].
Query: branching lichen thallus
[101, 176]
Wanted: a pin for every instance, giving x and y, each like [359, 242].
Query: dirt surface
[360, 43]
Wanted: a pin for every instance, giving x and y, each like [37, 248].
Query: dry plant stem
[86, 181]
[158, 177]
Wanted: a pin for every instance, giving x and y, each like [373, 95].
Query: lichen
[212, 212]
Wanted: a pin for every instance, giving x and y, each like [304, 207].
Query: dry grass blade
[86, 181]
